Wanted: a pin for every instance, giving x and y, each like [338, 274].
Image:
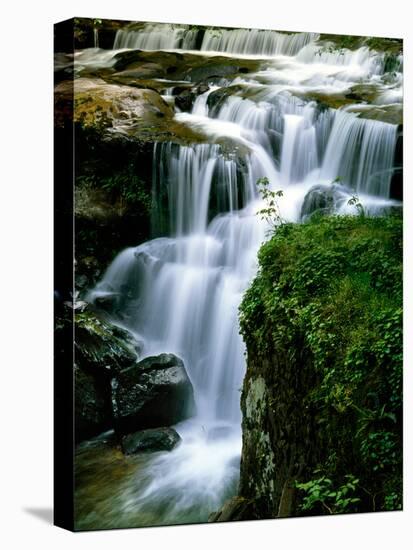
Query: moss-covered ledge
[322, 397]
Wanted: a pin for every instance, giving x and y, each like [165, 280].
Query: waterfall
[156, 36]
[95, 37]
[180, 291]
[255, 42]
[364, 60]
[162, 36]
[361, 153]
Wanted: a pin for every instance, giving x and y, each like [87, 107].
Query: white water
[254, 41]
[180, 293]
[158, 36]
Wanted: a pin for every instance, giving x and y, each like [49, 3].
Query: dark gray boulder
[324, 199]
[153, 393]
[185, 97]
[102, 347]
[156, 439]
[92, 405]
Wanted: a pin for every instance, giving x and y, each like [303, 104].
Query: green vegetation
[271, 212]
[328, 298]
[126, 186]
[319, 491]
[352, 42]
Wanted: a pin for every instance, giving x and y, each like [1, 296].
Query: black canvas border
[63, 249]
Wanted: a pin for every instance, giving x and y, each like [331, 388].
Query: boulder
[153, 393]
[322, 198]
[92, 405]
[185, 98]
[119, 113]
[110, 109]
[157, 439]
[102, 348]
[185, 66]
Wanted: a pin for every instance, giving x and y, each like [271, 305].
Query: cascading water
[253, 41]
[179, 293]
[158, 36]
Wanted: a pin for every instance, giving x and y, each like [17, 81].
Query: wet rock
[158, 439]
[185, 99]
[107, 302]
[186, 66]
[112, 109]
[218, 97]
[92, 405]
[153, 393]
[102, 348]
[392, 114]
[236, 509]
[138, 70]
[322, 199]
[214, 67]
[120, 114]
[130, 59]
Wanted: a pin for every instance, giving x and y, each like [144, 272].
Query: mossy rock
[101, 347]
[322, 396]
[354, 42]
[392, 114]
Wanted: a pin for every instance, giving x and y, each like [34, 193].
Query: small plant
[271, 213]
[355, 201]
[321, 492]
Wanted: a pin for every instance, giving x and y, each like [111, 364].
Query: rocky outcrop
[320, 347]
[235, 509]
[392, 114]
[101, 349]
[112, 389]
[278, 434]
[157, 439]
[185, 97]
[186, 66]
[153, 393]
[93, 412]
[120, 112]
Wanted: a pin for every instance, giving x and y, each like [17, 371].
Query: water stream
[180, 292]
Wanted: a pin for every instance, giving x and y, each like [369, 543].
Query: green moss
[101, 346]
[351, 42]
[331, 290]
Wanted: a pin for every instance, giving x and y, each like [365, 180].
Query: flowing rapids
[179, 292]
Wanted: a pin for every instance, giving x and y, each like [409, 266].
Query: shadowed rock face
[323, 199]
[158, 439]
[153, 393]
[101, 349]
[92, 405]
